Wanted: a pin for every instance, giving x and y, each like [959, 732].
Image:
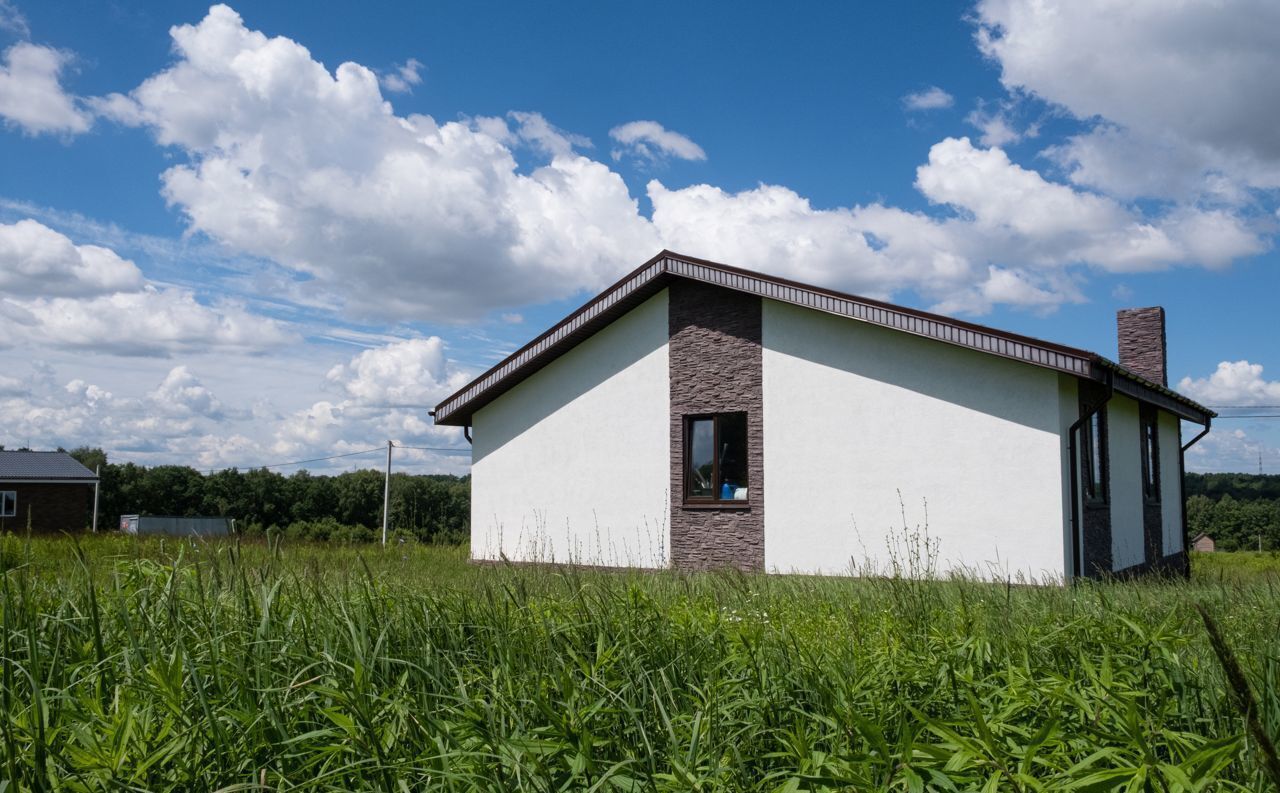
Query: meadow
[134, 664]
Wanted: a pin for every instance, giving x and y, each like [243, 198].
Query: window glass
[702, 442]
[733, 456]
[716, 457]
[1095, 446]
[8, 503]
[1150, 457]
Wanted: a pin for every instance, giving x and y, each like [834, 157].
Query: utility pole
[386, 497]
[97, 480]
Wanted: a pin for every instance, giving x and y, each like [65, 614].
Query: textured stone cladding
[1140, 332]
[53, 507]
[716, 367]
[1097, 516]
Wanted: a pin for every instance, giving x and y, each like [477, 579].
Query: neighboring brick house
[50, 491]
[696, 415]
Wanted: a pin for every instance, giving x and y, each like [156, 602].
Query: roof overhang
[655, 274]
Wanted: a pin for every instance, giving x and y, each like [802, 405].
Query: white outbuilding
[695, 415]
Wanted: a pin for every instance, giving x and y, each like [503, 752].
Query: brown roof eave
[653, 275]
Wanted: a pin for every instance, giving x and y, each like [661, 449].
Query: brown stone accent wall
[1097, 540]
[1175, 565]
[1152, 531]
[716, 367]
[1140, 332]
[53, 507]
[1097, 514]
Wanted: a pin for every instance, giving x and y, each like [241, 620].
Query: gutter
[1077, 555]
[1182, 482]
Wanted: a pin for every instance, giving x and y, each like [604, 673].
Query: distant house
[697, 415]
[1203, 543]
[52, 489]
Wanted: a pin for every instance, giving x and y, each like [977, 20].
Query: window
[715, 458]
[8, 503]
[1150, 454]
[1093, 457]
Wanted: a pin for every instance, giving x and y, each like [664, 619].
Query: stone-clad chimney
[1142, 346]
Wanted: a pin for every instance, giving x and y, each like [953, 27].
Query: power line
[302, 462]
[435, 449]
[1244, 407]
[1259, 416]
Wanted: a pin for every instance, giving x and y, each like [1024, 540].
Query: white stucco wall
[1170, 483]
[572, 465]
[1124, 443]
[855, 414]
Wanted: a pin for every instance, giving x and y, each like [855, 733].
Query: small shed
[1203, 543]
[49, 491]
[176, 526]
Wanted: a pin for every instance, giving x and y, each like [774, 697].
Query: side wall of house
[1171, 483]
[52, 507]
[862, 423]
[1124, 443]
[572, 465]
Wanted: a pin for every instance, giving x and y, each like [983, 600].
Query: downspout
[1182, 486]
[1077, 556]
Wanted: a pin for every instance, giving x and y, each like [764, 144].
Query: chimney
[1142, 347]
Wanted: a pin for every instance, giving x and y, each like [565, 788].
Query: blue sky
[242, 235]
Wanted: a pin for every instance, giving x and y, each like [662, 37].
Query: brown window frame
[1095, 493]
[714, 500]
[1149, 438]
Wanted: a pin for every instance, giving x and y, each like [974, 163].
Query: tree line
[1239, 511]
[302, 505]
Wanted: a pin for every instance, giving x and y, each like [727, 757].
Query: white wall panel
[855, 415]
[572, 465]
[1170, 483]
[1125, 457]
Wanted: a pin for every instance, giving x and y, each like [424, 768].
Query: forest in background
[348, 506]
[1239, 511]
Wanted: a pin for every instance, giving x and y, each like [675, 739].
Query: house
[51, 490]
[695, 415]
[1203, 543]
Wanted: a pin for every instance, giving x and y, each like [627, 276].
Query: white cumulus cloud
[651, 141]
[403, 78]
[1188, 85]
[31, 94]
[1233, 383]
[36, 260]
[931, 98]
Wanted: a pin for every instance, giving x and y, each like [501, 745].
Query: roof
[43, 467]
[655, 274]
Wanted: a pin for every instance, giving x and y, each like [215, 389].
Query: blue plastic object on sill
[726, 492]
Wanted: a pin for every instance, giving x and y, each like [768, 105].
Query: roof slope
[44, 466]
[655, 274]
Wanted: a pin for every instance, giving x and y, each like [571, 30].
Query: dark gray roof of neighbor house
[655, 274]
[42, 466]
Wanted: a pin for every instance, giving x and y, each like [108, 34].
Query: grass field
[131, 665]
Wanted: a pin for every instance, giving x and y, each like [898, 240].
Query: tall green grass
[151, 665]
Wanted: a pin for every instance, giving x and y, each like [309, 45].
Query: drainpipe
[1077, 556]
[1182, 485]
[466, 433]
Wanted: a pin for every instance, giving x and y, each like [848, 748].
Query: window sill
[720, 505]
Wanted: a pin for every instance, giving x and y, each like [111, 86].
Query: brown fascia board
[649, 278]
